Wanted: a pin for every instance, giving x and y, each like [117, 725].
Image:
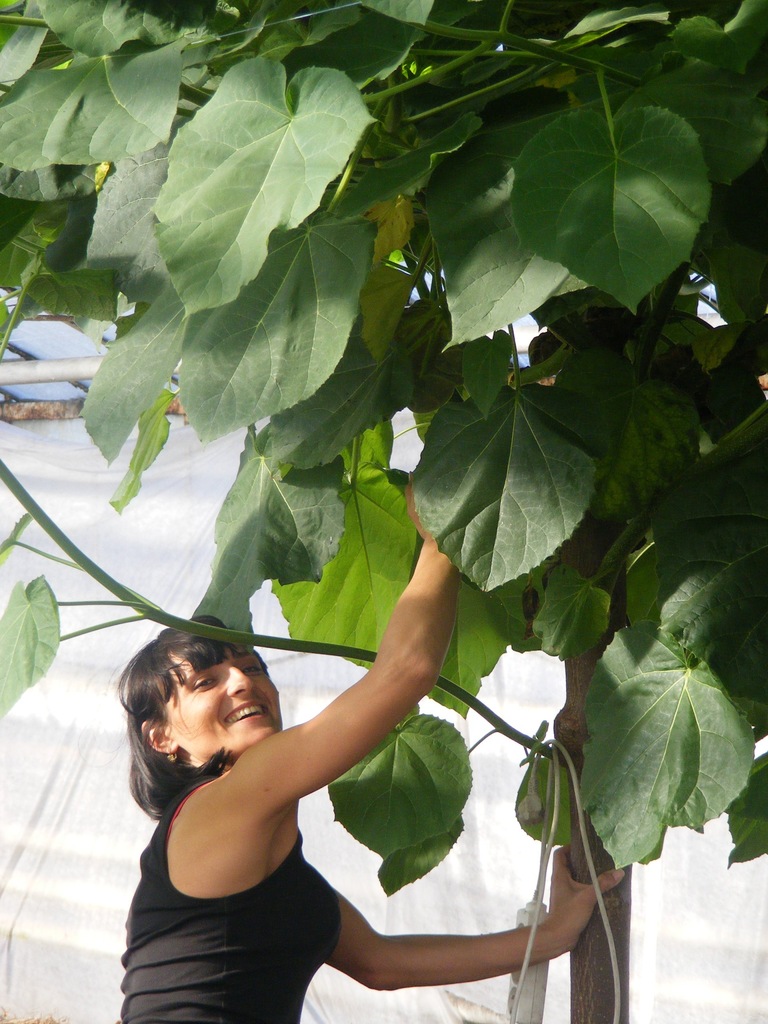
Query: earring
[172, 757]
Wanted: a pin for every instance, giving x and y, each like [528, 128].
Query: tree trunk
[592, 995]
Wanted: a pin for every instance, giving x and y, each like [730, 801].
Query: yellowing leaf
[394, 219]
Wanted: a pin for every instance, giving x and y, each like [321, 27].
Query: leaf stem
[606, 107]
[20, 19]
[653, 326]
[504, 24]
[522, 77]
[349, 170]
[45, 554]
[16, 314]
[100, 625]
[147, 610]
[441, 69]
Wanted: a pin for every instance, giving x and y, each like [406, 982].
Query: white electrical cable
[527, 984]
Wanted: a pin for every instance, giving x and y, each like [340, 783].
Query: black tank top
[241, 959]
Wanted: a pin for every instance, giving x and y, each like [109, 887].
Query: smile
[248, 711]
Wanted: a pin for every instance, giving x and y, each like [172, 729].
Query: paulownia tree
[307, 216]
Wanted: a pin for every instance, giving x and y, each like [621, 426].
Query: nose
[237, 681]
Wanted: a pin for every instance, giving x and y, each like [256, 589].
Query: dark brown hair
[145, 687]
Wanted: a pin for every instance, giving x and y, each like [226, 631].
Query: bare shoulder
[220, 845]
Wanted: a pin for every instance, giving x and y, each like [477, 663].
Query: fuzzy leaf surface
[411, 787]
[501, 492]
[712, 548]
[574, 614]
[96, 109]
[281, 338]
[621, 210]
[667, 747]
[405, 866]
[256, 157]
[271, 527]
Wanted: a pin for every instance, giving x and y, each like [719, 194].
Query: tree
[327, 213]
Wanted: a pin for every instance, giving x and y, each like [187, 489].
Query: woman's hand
[571, 903]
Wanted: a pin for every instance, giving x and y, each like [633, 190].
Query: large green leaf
[485, 368]
[352, 603]
[411, 787]
[359, 393]
[95, 109]
[730, 46]
[88, 293]
[123, 236]
[574, 615]
[47, 183]
[280, 339]
[405, 866]
[29, 639]
[257, 157]
[137, 367]
[712, 544]
[97, 27]
[501, 493]
[271, 527]
[729, 120]
[620, 205]
[371, 48]
[748, 816]
[491, 278]
[740, 276]
[14, 215]
[667, 747]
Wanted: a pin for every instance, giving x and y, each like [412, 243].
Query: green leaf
[600, 21]
[620, 209]
[47, 183]
[491, 278]
[19, 53]
[94, 110]
[501, 493]
[666, 745]
[29, 639]
[748, 816]
[562, 836]
[411, 787]
[383, 298]
[711, 538]
[416, 11]
[137, 367]
[271, 527]
[68, 250]
[369, 49]
[97, 27]
[281, 338]
[353, 601]
[405, 866]
[740, 276]
[257, 157]
[123, 236]
[9, 543]
[77, 293]
[405, 175]
[721, 107]
[574, 615]
[359, 393]
[730, 47]
[658, 438]
[153, 433]
[485, 368]
[643, 587]
[14, 215]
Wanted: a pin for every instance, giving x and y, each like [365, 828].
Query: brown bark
[592, 995]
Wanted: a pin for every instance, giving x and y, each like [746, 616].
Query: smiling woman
[229, 922]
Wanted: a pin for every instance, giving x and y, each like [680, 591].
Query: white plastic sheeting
[70, 836]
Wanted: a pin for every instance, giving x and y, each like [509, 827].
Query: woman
[229, 923]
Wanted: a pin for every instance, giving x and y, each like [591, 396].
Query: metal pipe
[48, 371]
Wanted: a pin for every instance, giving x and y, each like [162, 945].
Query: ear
[158, 738]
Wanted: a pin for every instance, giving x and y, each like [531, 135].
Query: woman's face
[231, 705]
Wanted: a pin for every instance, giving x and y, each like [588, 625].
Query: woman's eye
[253, 670]
[202, 683]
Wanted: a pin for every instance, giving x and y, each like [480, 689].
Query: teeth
[251, 709]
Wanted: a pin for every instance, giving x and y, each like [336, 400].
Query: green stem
[20, 19]
[518, 383]
[547, 368]
[16, 314]
[504, 24]
[442, 69]
[349, 170]
[45, 554]
[91, 604]
[653, 326]
[606, 106]
[100, 625]
[522, 77]
[355, 461]
[153, 613]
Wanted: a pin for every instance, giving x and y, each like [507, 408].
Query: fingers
[609, 879]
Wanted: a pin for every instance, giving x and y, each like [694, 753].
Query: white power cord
[527, 989]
